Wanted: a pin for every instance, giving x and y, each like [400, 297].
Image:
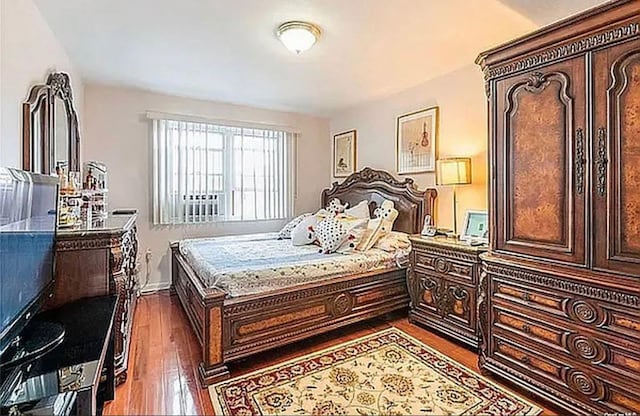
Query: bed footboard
[257, 323]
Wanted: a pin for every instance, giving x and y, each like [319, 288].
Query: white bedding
[250, 264]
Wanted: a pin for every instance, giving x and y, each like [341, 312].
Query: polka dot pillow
[331, 233]
[287, 229]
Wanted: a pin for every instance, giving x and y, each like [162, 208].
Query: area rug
[387, 373]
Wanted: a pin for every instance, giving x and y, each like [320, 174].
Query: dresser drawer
[547, 371]
[609, 356]
[608, 318]
[445, 263]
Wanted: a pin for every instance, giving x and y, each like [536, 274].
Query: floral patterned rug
[387, 373]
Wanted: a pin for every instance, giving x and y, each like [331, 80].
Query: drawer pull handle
[525, 360]
[526, 328]
[601, 162]
[526, 297]
[580, 161]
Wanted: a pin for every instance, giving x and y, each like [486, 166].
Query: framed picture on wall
[416, 141]
[344, 154]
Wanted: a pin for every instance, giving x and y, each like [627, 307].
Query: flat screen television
[28, 204]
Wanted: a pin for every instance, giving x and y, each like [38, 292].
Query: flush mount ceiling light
[298, 36]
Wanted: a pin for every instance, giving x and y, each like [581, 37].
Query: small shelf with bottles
[83, 202]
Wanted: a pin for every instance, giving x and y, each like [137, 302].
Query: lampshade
[298, 36]
[453, 171]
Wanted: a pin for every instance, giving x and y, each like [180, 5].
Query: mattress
[258, 263]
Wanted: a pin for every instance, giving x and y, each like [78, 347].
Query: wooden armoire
[559, 303]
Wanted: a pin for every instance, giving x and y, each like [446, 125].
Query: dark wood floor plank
[172, 383]
[154, 374]
[165, 354]
[188, 382]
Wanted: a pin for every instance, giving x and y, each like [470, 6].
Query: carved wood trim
[535, 83]
[483, 316]
[619, 116]
[564, 50]
[580, 161]
[580, 289]
[87, 243]
[370, 181]
[601, 162]
[39, 98]
[449, 253]
[515, 375]
[58, 85]
[243, 306]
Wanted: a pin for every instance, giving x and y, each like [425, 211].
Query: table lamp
[452, 172]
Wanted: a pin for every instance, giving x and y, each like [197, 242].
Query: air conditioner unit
[202, 206]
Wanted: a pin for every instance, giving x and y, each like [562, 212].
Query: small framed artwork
[416, 141]
[344, 154]
[476, 226]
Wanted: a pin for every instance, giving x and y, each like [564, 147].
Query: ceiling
[226, 50]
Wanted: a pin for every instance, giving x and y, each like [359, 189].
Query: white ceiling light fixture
[298, 36]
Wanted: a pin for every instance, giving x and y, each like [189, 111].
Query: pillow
[393, 242]
[330, 233]
[359, 211]
[333, 232]
[304, 233]
[287, 229]
[354, 237]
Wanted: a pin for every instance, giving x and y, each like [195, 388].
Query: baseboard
[151, 288]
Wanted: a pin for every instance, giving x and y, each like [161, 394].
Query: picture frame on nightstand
[476, 227]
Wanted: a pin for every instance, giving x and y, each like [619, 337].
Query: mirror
[50, 131]
[61, 136]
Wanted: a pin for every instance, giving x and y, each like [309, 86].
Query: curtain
[206, 172]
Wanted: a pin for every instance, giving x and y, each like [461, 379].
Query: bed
[234, 322]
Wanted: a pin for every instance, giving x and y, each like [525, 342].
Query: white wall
[29, 51]
[463, 132]
[118, 134]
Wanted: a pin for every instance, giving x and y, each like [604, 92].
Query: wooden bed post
[212, 368]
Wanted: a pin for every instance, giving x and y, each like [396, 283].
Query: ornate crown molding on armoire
[559, 302]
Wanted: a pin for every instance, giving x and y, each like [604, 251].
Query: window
[206, 172]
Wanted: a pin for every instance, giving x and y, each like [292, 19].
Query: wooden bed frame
[229, 329]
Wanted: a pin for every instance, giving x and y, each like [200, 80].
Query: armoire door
[540, 153]
[616, 159]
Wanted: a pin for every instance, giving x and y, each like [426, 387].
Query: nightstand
[443, 285]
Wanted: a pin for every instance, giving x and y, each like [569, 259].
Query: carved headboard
[375, 186]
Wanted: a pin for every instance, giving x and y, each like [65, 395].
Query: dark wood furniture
[98, 260]
[81, 364]
[50, 132]
[232, 328]
[443, 284]
[560, 291]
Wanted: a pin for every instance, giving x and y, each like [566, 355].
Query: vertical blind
[205, 172]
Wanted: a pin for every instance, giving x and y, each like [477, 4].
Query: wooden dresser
[560, 289]
[98, 260]
[443, 281]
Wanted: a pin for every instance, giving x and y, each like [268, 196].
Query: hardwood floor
[165, 353]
